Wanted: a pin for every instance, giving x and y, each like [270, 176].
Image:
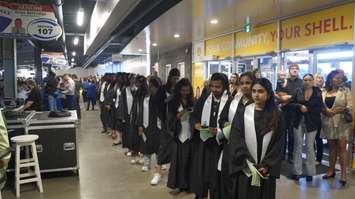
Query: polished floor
[105, 173]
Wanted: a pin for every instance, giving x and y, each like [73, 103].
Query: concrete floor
[105, 173]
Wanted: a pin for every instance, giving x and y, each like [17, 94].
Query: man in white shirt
[69, 91]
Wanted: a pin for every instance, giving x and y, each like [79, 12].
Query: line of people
[227, 143]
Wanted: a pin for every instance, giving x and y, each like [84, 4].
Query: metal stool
[29, 176]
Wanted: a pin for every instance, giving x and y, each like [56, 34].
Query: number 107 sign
[44, 29]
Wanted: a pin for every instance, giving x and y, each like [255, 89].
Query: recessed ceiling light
[140, 50]
[76, 41]
[73, 53]
[80, 17]
[154, 44]
[176, 35]
[72, 59]
[214, 21]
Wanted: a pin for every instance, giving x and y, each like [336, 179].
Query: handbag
[348, 116]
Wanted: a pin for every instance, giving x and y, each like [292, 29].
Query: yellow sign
[326, 27]
[221, 46]
[261, 40]
[198, 78]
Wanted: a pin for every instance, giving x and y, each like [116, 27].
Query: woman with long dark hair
[236, 104]
[256, 143]
[167, 92]
[335, 125]
[179, 110]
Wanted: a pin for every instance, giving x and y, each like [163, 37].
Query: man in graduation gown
[204, 146]
[105, 102]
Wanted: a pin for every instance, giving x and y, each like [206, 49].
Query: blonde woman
[319, 82]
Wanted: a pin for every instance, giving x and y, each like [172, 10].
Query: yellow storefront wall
[221, 46]
[327, 27]
[198, 77]
[260, 40]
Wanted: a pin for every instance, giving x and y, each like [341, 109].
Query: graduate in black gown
[149, 122]
[138, 98]
[256, 145]
[104, 102]
[179, 111]
[126, 102]
[117, 122]
[205, 151]
[236, 104]
[166, 138]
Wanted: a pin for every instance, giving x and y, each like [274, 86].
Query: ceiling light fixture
[176, 35]
[80, 17]
[72, 59]
[73, 53]
[214, 21]
[76, 41]
[154, 44]
[140, 50]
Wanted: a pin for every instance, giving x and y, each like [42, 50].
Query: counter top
[42, 117]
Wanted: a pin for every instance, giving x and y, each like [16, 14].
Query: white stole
[206, 111]
[118, 94]
[185, 133]
[102, 97]
[234, 106]
[129, 99]
[146, 111]
[250, 134]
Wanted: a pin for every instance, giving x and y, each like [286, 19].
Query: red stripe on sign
[29, 7]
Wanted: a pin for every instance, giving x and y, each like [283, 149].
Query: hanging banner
[261, 40]
[327, 27]
[198, 78]
[28, 20]
[220, 47]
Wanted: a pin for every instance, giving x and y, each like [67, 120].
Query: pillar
[9, 62]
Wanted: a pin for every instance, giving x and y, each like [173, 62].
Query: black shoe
[309, 178]
[326, 177]
[294, 177]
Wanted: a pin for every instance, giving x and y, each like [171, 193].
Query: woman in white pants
[308, 105]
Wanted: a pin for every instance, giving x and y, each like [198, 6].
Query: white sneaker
[133, 161]
[164, 167]
[156, 179]
[145, 168]
[140, 161]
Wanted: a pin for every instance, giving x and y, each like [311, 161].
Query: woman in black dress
[179, 111]
[256, 143]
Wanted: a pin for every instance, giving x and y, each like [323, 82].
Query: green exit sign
[247, 25]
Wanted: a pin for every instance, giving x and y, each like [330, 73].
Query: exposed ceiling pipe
[58, 11]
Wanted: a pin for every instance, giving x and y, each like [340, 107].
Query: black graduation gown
[152, 132]
[239, 153]
[134, 138]
[117, 123]
[204, 155]
[109, 94]
[179, 171]
[225, 185]
[166, 138]
[124, 116]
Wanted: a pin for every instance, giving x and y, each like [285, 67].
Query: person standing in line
[50, 89]
[319, 82]
[179, 110]
[236, 104]
[233, 84]
[148, 127]
[117, 123]
[84, 86]
[308, 104]
[284, 96]
[205, 150]
[104, 114]
[257, 73]
[337, 122]
[166, 137]
[77, 95]
[134, 137]
[126, 102]
[91, 94]
[255, 144]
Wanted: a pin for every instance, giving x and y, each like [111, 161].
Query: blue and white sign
[44, 29]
